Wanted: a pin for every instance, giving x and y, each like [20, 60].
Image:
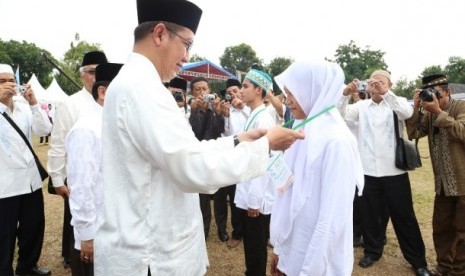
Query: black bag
[42, 171]
[407, 156]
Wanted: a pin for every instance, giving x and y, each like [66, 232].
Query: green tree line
[356, 62]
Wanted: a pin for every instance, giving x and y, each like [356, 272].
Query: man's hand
[29, 95]
[375, 87]
[351, 88]
[280, 138]
[253, 213]
[217, 107]
[7, 90]
[237, 104]
[252, 135]
[62, 191]
[274, 266]
[432, 107]
[87, 251]
[416, 98]
[225, 106]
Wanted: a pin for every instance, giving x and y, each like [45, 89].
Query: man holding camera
[384, 182]
[444, 123]
[207, 123]
[21, 198]
[178, 88]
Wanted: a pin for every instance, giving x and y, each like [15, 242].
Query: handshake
[279, 138]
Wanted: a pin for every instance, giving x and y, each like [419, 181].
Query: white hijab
[316, 85]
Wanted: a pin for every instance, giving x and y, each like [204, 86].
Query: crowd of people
[138, 159]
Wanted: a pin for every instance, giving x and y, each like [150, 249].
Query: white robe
[311, 223]
[153, 166]
[85, 176]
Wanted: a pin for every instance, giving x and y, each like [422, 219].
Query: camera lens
[427, 94]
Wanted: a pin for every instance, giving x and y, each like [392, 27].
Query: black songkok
[178, 83]
[94, 57]
[180, 12]
[232, 82]
[107, 71]
[434, 80]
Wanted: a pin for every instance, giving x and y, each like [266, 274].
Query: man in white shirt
[383, 181]
[255, 197]
[235, 114]
[154, 166]
[84, 158]
[65, 116]
[21, 198]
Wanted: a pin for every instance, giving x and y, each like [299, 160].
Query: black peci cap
[180, 12]
[233, 82]
[178, 83]
[433, 80]
[107, 71]
[94, 57]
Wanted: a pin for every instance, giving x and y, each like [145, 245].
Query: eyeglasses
[90, 72]
[185, 41]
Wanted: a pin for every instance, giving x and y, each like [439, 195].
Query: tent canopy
[54, 93]
[206, 69]
[39, 91]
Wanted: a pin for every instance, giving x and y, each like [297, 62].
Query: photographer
[444, 123]
[384, 182]
[178, 87]
[207, 123]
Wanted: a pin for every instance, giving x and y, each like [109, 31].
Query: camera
[362, 86]
[21, 89]
[208, 98]
[178, 96]
[427, 94]
[227, 98]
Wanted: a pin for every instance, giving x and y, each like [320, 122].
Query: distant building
[457, 91]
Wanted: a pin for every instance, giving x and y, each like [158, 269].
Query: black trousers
[397, 195]
[255, 240]
[357, 216]
[67, 236]
[78, 267]
[220, 203]
[21, 217]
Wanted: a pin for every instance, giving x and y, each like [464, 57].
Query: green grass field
[224, 261]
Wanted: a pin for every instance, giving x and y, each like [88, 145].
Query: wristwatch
[236, 140]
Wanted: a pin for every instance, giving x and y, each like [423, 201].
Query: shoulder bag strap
[15, 126]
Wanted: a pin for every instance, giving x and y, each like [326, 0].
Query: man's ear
[159, 32]
[101, 92]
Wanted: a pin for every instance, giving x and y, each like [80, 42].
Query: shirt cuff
[35, 107]
[86, 234]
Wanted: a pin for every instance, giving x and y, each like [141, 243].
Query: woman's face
[294, 106]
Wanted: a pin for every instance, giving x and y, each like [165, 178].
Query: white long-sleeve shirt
[234, 124]
[66, 115]
[376, 133]
[18, 170]
[257, 193]
[153, 166]
[84, 172]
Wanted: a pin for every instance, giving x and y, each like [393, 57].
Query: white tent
[39, 91]
[54, 93]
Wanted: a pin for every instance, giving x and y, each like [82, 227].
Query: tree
[72, 62]
[29, 59]
[239, 58]
[455, 70]
[432, 70]
[405, 88]
[195, 58]
[276, 67]
[358, 63]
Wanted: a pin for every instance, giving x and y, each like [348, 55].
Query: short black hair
[96, 86]
[195, 80]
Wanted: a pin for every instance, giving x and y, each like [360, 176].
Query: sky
[413, 34]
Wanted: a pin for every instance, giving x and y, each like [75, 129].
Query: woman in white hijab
[311, 222]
